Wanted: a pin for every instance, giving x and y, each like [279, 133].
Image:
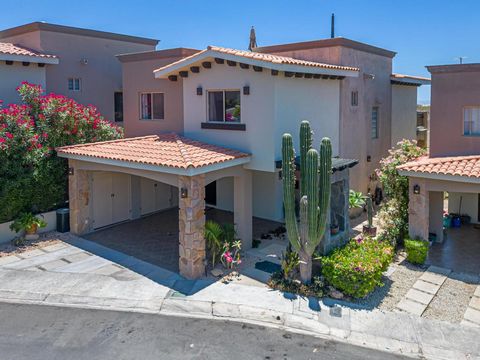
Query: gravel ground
[45, 239]
[453, 297]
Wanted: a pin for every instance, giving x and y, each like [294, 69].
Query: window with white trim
[374, 122]
[224, 106]
[152, 106]
[74, 84]
[471, 120]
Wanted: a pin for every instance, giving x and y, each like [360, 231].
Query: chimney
[253, 39]
[332, 33]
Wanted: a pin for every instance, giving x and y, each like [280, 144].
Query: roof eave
[163, 73]
[435, 176]
[28, 58]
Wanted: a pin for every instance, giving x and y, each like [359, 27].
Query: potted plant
[30, 224]
[369, 229]
[356, 202]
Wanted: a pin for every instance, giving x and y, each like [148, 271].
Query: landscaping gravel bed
[45, 239]
[453, 297]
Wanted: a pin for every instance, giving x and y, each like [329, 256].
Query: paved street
[42, 332]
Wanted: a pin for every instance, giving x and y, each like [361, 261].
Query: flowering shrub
[231, 254]
[32, 177]
[396, 186]
[357, 268]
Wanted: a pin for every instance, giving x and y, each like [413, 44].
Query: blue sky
[422, 32]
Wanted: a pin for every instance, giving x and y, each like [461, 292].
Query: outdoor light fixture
[183, 193]
[199, 90]
[70, 171]
[416, 189]
[369, 158]
[246, 90]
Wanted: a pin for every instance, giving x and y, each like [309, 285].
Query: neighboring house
[87, 70]
[453, 163]
[423, 121]
[18, 64]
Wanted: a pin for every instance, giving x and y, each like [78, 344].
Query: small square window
[74, 84]
[354, 98]
[471, 120]
[224, 106]
[152, 106]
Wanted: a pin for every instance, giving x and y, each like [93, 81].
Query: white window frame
[208, 107]
[151, 105]
[377, 127]
[74, 80]
[465, 108]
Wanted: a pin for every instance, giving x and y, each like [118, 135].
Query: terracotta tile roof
[11, 49]
[169, 150]
[274, 59]
[466, 166]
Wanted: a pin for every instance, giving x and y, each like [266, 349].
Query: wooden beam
[231, 63]
[207, 64]
[308, 76]
[257, 68]
[244, 66]
[298, 75]
[183, 74]
[317, 76]
[195, 69]
[325, 77]
[274, 72]
[219, 61]
[172, 77]
[288, 74]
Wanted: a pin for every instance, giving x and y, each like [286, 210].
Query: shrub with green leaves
[357, 268]
[417, 251]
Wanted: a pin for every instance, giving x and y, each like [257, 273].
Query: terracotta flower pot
[32, 229]
[370, 231]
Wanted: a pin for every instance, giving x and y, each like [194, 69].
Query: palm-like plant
[214, 234]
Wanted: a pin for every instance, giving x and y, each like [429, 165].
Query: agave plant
[356, 199]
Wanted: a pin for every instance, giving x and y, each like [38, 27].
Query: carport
[121, 180]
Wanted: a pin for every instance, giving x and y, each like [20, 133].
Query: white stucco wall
[225, 194]
[11, 76]
[275, 105]
[267, 195]
[404, 113]
[469, 204]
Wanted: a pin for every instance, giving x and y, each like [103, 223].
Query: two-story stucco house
[86, 67]
[452, 165]
[218, 116]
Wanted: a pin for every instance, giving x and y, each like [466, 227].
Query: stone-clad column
[418, 209]
[79, 200]
[191, 226]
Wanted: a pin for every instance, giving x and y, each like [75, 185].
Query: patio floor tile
[426, 287]
[419, 296]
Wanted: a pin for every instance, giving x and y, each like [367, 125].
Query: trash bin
[63, 220]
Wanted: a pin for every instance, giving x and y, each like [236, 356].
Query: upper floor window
[354, 98]
[152, 106]
[74, 84]
[224, 106]
[374, 122]
[471, 120]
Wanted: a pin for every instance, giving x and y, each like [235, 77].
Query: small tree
[395, 186]
[32, 177]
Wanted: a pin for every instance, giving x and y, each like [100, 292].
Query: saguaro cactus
[315, 172]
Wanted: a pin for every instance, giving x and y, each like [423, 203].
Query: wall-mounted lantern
[70, 171]
[199, 90]
[183, 193]
[416, 189]
[246, 90]
[369, 158]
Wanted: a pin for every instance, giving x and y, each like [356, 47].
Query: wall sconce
[369, 158]
[70, 171]
[416, 189]
[246, 90]
[183, 193]
[199, 90]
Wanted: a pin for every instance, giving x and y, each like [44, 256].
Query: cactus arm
[304, 225]
[305, 145]
[325, 171]
[288, 169]
[311, 177]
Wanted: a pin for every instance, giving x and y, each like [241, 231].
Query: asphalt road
[49, 333]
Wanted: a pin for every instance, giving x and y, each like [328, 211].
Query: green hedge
[357, 268]
[417, 251]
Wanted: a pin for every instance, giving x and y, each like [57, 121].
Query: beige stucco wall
[452, 91]
[275, 105]
[404, 113]
[12, 75]
[138, 77]
[354, 135]
[100, 77]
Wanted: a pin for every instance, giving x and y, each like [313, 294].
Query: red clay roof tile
[169, 150]
[11, 49]
[467, 166]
